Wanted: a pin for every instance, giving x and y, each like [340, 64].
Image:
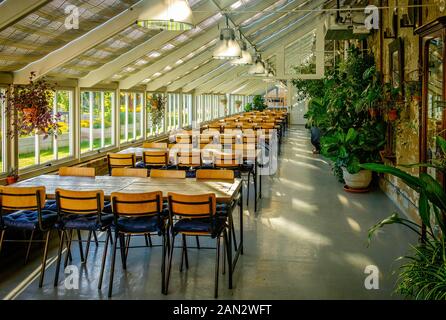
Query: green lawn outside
[27, 159]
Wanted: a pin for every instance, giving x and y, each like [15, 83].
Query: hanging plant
[30, 109]
[157, 107]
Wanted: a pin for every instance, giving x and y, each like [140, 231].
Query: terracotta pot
[392, 115]
[11, 180]
[360, 180]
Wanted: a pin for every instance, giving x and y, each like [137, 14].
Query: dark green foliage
[258, 103]
[423, 275]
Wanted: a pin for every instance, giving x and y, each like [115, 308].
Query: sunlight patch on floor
[295, 230]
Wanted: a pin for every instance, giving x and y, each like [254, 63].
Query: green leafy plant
[157, 104]
[349, 150]
[423, 276]
[258, 103]
[248, 107]
[30, 109]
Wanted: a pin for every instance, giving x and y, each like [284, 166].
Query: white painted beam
[179, 71]
[169, 59]
[204, 70]
[106, 71]
[227, 75]
[13, 10]
[198, 82]
[79, 45]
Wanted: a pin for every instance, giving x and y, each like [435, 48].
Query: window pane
[64, 140]
[27, 156]
[2, 131]
[96, 120]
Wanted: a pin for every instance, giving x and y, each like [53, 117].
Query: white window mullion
[55, 153]
[126, 126]
[91, 100]
[102, 120]
[36, 149]
[134, 115]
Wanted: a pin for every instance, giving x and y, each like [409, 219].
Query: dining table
[229, 192]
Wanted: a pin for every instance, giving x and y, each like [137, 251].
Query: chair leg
[234, 238]
[169, 266]
[95, 238]
[45, 255]
[2, 236]
[29, 246]
[224, 259]
[184, 254]
[197, 239]
[247, 188]
[112, 267]
[146, 240]
[87, 249]
[122, 245]
[150, 240]
[81, 250]
[217, 265]
[104, 258]
[59, 257]
[127, 246]
[67, 256]
[163, 267]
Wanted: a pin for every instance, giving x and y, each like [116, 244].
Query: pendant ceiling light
[171, 15]
[258, 68]
[227, 47]
[246, 55]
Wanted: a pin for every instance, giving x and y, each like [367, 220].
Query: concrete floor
[308, 241]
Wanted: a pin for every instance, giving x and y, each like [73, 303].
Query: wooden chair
[197, 217]
[137, 214]
[129, 172]
[183, 139]
[155, 159]
[118, 160]
[155, 145]
[210, 174]
[231, 160]
[77, 172]
[169, 174]
[188, 158]
[81, 211]
[22, 209]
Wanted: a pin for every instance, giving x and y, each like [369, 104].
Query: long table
[248, 153]
[224, 191]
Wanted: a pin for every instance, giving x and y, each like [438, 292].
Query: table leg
[255, 185]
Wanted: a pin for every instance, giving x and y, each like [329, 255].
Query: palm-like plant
[424, 275]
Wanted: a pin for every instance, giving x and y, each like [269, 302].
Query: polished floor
[308, 241]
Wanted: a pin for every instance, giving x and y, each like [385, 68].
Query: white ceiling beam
[79, 45]
[233, 85]
[179, 71]
[211, 75]
[226, 76]
[194, 75]
[13, 11]
[169, 59]
[245, 86]
[186, 49]
[106, 71]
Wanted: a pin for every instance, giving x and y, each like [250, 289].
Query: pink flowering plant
[30, 109]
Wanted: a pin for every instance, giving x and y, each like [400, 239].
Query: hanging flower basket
[157, 106]
[30, 109]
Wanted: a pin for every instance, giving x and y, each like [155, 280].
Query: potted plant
[157, 104]
[349, 150]
[30, 109]
[258, 103]
[393, 102]
[372, 96]
[422, 276]
[13, 176]
[248, 107]
[238, 104]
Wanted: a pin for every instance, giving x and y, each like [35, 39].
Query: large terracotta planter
[360, 180]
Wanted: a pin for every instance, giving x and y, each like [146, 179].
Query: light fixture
[171, 15]
[258, 68]
[227, 47]
[246, 55]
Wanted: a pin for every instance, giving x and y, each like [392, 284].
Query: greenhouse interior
[222, 149]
